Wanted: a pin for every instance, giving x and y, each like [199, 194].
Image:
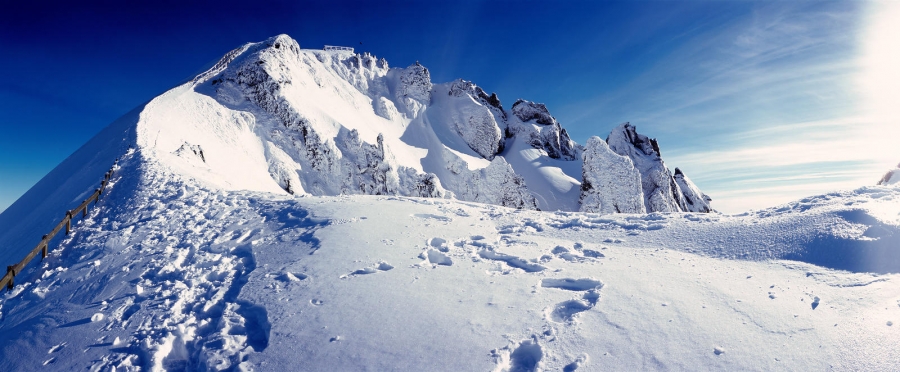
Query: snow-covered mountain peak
[311, 120]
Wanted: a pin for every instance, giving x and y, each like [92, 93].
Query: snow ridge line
[43, 246]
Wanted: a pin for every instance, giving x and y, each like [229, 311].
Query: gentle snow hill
[210, 252]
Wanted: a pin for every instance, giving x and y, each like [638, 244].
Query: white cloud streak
[795, 99]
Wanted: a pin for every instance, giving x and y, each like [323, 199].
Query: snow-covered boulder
[610, 183]
[542, 130]
[695, 200]
[661, 192]
[892, 177]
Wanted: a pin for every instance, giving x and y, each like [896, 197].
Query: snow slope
[169, 274]
[235, 236]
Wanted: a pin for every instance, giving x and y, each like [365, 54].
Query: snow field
[180, 276]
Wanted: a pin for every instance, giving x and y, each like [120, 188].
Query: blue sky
[758, 102]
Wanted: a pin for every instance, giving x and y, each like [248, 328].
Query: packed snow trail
[182, 277]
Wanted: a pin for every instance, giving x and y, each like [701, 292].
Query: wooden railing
[66, 222]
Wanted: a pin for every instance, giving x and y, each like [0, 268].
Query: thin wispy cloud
[760, 108]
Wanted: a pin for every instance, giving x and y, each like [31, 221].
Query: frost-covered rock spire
[610, 183]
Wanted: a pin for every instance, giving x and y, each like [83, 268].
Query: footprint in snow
[566, 311]
[525, 356]
[579, 362]
[434, 258]
[426, 216]
[288, 277]
[512, 261]
[439, 244]
[381, 266]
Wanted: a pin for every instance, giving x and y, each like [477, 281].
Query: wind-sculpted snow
[609, 183]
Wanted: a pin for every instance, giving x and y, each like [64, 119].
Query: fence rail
[43, 246]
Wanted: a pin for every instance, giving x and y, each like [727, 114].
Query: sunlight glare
[880, 79]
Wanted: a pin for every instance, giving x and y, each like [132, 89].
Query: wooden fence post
[98, 196]
[68, 222]
[44, 252]
[9, 270]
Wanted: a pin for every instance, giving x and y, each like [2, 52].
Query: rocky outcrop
[413, 90]
[661, 191]
[477, 117]
[610, 183]
[694, 199]
[892, 177]
[547, 134]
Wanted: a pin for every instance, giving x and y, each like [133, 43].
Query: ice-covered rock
[661, 192]
[476, 117]
[413, 88]
[497, 183]
[542, 130]
[311, 151]
[695, 200]
[610, 183]
[892, 177]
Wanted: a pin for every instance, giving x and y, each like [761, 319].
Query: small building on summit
[338, 48]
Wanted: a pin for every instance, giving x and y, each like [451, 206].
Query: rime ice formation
[694, 199]
[547, 134]
[610, 183]
[892, 177]
[662, 190]
[334, 122]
